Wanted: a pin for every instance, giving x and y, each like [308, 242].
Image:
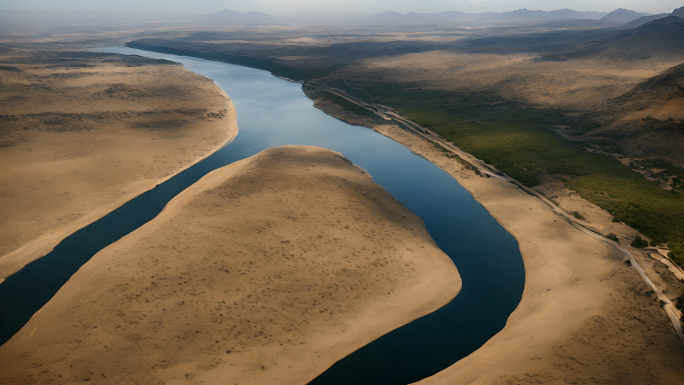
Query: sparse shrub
[680, 303]
[639, 243]
[579, 216]
[613, 237]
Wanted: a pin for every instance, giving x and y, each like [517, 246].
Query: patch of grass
[514, 137]
[441, 148]
[639, 243]
[517, 139]
[669, 168]
[679, 303]
[657, 213]
[347, 105]
[579, 216]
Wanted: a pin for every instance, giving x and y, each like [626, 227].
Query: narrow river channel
[274, 112]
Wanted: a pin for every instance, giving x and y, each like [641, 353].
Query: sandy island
[82, 133]
[265, 271]
[585, 316]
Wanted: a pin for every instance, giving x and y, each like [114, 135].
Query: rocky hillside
[646, 123]
[659, 39]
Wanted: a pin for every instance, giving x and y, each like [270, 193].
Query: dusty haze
[160, 7]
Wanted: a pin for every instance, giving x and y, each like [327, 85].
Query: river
[274, 112]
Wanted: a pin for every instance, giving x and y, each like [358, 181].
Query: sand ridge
[82, 133]
[265, 271]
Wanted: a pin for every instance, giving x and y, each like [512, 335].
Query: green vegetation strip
[514, 137]
[346, 105]
[517, 139]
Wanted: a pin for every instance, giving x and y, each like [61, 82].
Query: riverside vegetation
[516, 138]
[498, 97]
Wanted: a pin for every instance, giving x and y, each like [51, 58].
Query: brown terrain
[587, 75]
[573, 84]
[561, 69]
[647, 121]
[585, 316]
[81, 133]
[265, 271]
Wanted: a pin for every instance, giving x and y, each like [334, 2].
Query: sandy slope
[265, 271]
[585, 316]
[80, 134]
[573, 84]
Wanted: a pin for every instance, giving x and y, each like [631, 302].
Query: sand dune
[264, 272]
[82, 133]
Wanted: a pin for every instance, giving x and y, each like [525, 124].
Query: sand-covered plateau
[81, 133]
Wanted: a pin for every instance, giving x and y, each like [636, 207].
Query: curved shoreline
[492, 172]
[505, 207]
[525, 321]
[434, 282]
[423, 188]
[16, 260]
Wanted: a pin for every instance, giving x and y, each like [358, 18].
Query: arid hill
[679, 12]
[647, 121]
[661, 39]
[622, 16]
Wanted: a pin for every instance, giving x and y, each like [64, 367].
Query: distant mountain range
[623, 16]
[389, 18]
[449, 17]
[645, 19]
[662, 38]
[679, 12]
[562, 18]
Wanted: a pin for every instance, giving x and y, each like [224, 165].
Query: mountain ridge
[623, 16]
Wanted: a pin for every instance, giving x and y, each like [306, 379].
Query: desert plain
[84, 132]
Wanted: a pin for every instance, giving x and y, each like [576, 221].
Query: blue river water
[274, 112]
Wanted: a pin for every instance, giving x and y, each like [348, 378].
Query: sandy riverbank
[585, 316]
[82, 133]
[265, 271]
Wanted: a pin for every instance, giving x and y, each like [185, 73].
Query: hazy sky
[339, 6]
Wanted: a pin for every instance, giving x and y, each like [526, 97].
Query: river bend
[274, 112]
